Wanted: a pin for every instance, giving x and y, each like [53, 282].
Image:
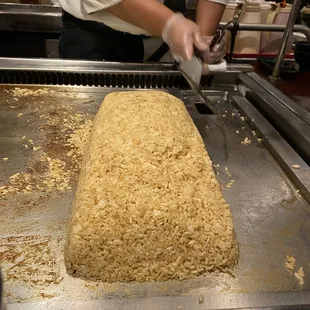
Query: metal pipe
[273, 28]
[86, 66]
[303, 29]
[287, 32]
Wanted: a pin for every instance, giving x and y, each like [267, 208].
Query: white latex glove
[183, 36]
[216, 55]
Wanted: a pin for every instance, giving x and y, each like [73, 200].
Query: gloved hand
[183, 36]
[218, 51]
[216, 55]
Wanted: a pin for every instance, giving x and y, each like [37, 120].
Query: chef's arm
[181, 34]
[149, 15]
[208, 15]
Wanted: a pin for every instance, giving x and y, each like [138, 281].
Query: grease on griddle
[32, 262]
[59, 158]
[28, 259]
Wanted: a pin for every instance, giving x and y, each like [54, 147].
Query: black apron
[90, 40]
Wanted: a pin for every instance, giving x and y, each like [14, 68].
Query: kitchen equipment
[39, 100]
[288, 70]
[302, 55]
[249, 42]
[192, 71]
[271, 41]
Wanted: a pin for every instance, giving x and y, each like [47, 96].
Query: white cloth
[95, 10]
[220, 67]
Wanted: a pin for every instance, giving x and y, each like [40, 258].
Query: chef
[113, 30]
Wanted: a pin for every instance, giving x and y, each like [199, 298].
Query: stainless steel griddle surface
[271, 219]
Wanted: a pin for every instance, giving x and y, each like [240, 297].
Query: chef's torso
[95, 10]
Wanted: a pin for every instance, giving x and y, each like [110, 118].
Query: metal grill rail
[120, 79]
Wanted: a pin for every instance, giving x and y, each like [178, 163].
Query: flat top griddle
[271, 219]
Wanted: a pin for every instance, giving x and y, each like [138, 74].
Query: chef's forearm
[208, 15]
[149, 15]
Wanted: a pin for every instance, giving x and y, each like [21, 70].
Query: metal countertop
[271, 219]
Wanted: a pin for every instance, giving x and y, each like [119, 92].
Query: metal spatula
[192, 72]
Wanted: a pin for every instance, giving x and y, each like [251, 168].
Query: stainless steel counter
[271, 219]
[33, 18]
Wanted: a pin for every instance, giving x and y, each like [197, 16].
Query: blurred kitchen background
[31, 28]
